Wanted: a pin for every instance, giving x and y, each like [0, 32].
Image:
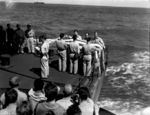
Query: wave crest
[129, 84]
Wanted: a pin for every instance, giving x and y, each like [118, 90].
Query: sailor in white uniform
[98, 40]
[78, 36]
[44, 58]
[87, 57]
[30, 34]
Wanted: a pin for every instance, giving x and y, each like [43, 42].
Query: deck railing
[95, 81]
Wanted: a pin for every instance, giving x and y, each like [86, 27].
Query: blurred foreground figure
[86, 105]
[14, 83]
[44, 58]
[36, 94]
[66, 100]
[62, 54]
[10, 103]
[24, 109]
[74, 108]
[51, 92]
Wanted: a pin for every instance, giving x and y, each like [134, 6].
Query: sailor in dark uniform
[2, 39]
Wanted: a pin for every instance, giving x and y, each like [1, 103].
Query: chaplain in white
[44, 58]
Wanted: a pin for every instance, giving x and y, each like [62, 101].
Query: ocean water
[125, 31]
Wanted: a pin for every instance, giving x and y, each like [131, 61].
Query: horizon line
[82, 4]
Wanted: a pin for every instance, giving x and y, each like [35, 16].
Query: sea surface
[125, 31]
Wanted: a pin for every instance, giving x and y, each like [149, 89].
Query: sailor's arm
[102, 42]
[103, 59]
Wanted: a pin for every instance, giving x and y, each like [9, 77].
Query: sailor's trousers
[30, 44]
[44, 67]
[87, 68]
[62, 60]
[73, 64]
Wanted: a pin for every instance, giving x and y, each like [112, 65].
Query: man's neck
[16, 88]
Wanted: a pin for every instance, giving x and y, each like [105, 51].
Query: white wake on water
[134, 79]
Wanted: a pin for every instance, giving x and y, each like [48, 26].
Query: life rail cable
[81, 81]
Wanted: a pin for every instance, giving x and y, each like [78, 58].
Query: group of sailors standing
[72, 52]
[14, 41]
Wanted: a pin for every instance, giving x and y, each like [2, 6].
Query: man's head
[24, 109]
[51, 91]
[8, 25]
[29, 27]
[14, 81]
[95, 34]
[84, 93]
[76, 32]
[43, 38]
[67, 90]
[74, 110]
[38, 85]
[86, 35]
[74, 37]
[18, 26]
[61, 35]
[11, 96]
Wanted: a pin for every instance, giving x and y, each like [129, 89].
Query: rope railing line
[102, 72]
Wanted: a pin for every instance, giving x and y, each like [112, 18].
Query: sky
[118, 3]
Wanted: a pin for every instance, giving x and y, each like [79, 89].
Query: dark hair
[28, 26]
[74, 37]
[61, 35]
[38, 84]
[13, 85]
[88, 39]
[8, 25]
[10, 97]
[51, 91]
[75, 99]
[43, 37]
[18, 25]
[75, 30]
[84, 93]
[24, 108]
[49, 113]
[73, 110]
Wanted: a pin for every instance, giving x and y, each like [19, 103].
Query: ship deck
[27, 66]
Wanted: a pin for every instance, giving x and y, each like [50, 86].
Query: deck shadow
[54, 64]
[36, 71]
